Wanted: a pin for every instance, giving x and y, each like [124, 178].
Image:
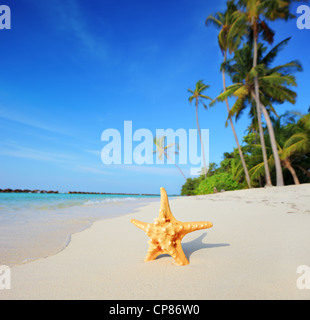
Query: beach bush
[221, 181]
[191, 186]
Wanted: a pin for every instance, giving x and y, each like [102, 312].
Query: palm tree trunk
[245, 169]
[255, 141]
[175, 165]
[279, 173]
[202, 149]
[304, 171]
[258, 108]
[287, 164]
[262, 141]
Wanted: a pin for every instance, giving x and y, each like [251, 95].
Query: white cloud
[29, 121]
[92, 170]
[71, 20]
[153, 170]
[35, 154]
[94, 152]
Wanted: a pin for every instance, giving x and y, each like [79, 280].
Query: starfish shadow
[190, 247]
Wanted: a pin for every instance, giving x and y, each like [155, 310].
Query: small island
[73, 192]
[25, 191]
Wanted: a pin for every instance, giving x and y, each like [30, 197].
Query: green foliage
[191, 186]
[221, 178]
[293, 139]
[220, 181]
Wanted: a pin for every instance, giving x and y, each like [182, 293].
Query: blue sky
[71, 69]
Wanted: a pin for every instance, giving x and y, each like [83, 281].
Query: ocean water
[34, 226]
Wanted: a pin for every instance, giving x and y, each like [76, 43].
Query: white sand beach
[258, 239]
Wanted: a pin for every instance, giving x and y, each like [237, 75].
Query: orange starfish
[166, 233]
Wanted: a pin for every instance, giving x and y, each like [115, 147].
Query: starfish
[166, 233]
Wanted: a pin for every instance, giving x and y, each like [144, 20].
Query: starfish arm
[141, 225]
[179, 255]
[194, 226]
[165, 212]
[152, 254]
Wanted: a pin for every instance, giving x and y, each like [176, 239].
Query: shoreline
[59, 240]
[258, 239]
[67, 243]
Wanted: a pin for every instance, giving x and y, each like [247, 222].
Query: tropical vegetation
[276, 148]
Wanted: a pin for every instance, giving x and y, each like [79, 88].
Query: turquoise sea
[34, 225]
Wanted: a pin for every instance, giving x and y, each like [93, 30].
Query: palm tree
[229, 38]
[255, 13]
[163, 150]
[297, 142]
[293, 141]
[274, 86]
[198, 96]
[254, 155]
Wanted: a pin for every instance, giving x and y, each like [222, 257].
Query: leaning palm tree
[293, 141]
[274, 83]
[163, 151]
[297, 143]
[229, 37]
[198, 96]
[256, 13]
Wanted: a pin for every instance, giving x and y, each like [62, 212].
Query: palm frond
[216, 21]
[298, 143]
[272, 54]
[242, 92]
[257, 171]
[226, 94]
[237, 108]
